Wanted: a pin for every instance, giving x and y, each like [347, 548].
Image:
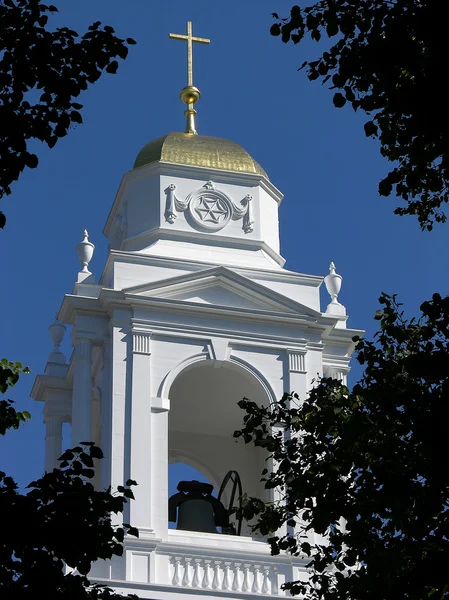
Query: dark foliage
[388, 58]
[42, 71]
[366, 469]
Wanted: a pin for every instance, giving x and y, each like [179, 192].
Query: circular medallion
[210, 209]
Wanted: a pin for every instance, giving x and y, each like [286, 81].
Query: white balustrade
[224, 575]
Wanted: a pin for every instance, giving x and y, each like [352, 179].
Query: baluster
[227, 576]
[237, 584]
[186, 580]
[246, 583]
[197, 573]
[206, 580]
[177, 578]
[216, 583]
[275, 581]
[266, 586]
[256, 582]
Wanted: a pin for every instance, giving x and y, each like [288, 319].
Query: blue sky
[252, 93]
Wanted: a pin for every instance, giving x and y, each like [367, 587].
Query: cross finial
[190, 94]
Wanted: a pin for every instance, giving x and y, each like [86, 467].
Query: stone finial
[333, 286]
[333, 283]
[85, 251]
[57, 331]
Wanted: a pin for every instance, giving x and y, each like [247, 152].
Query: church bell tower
[193, 311]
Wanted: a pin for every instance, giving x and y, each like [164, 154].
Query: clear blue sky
[252, 93]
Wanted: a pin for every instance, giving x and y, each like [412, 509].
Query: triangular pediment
[221, 287]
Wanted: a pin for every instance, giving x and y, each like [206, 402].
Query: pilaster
[296, 380]
[82, 392]
[141, 430]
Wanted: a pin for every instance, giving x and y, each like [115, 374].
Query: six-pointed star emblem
[211, 210]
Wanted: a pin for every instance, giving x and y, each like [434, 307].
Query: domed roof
[199, 151]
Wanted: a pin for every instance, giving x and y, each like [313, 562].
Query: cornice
[336, 360]
[109, 300]
[236, 337]
[342, 336]
[238, 283]
[215, 239]
[237, 313]
[277, 274]
[44, 383]
[165, 591]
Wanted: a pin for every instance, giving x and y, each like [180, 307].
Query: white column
[82, 392]
[141, 431]
[106, 417]
[53, 441]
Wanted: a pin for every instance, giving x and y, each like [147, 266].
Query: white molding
[44, 383]
[245, 243]
[246, 287]
[275, 274]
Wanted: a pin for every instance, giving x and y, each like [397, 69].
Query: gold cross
[189, 38]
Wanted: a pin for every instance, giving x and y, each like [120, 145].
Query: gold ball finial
[190, 94]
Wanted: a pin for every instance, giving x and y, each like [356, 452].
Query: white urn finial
[85, 251]
[57, 331]
[333, 283]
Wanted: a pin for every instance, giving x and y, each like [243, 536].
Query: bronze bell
[196, 509]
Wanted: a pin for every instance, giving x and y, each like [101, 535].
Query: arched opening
[203, 417]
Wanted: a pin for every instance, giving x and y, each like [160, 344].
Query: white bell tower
[193, 312]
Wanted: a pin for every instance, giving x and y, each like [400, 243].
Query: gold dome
[199, 151]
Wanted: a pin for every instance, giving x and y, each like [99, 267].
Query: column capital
[339, 372]
[53, 424]
[296, 360]
[141, 341]
[83, 348]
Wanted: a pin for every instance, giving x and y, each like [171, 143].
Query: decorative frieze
[209, 208]
[141, 342]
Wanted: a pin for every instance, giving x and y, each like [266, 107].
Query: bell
[196, 509]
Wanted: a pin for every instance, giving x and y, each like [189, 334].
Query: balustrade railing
[224, 575]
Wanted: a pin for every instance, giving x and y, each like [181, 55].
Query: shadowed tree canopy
[366, 469]
[389, 59]
[42, 71]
